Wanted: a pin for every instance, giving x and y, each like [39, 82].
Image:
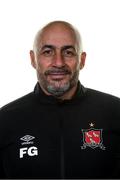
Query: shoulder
[20, 103]
[97, 93]
[101, 97]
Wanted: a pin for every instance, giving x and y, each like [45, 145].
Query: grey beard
[59, 91]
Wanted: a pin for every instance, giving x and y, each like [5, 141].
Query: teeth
[57, 74]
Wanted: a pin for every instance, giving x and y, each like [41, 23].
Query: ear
[32, 57]
[82, 60]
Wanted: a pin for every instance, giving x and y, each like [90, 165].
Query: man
[61, 129]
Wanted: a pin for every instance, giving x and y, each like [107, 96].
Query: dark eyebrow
[53, 47]
[68, 47]
[48, 46]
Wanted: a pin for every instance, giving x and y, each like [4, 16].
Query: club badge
[92, 138]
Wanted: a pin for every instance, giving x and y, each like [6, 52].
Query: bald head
[58, 26]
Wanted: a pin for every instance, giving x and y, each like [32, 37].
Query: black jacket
[43, 137]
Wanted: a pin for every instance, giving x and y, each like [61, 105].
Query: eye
[47, 52]
[69, 53]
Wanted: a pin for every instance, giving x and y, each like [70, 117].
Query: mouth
[58, 76]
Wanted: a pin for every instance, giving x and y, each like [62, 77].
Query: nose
[58, 60]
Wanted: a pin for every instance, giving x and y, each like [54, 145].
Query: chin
[58, 84]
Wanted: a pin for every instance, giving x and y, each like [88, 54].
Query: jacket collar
[80, 92]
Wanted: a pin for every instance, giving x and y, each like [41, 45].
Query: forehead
[58, 35]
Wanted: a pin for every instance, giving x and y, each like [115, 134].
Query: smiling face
[57, 60]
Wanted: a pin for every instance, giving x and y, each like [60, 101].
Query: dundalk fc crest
[92, 138]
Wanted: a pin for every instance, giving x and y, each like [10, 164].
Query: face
[57, 60]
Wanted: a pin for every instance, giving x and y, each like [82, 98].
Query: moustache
[57, 71]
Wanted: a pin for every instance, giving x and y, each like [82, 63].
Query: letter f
[22, 151]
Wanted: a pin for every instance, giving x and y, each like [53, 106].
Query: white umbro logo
[27, 139]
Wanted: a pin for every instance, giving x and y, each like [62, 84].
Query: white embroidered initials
[31, 151]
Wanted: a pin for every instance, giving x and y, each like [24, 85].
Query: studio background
[99, 24]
